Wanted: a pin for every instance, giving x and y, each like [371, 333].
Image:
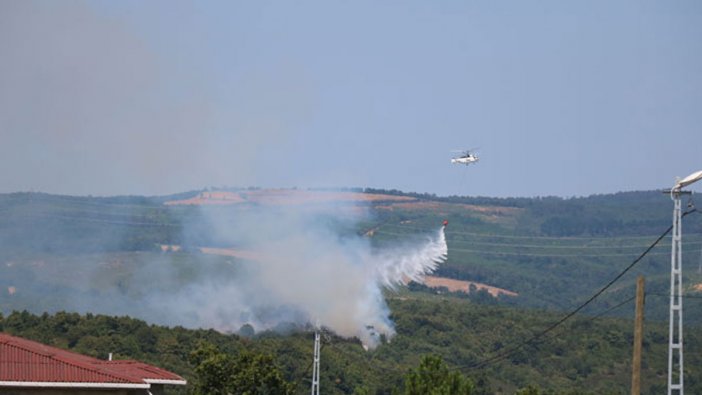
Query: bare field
[242, 254]
[296, 197]
[424, 205]
[278, 197]
[464, 286]
[213, 198]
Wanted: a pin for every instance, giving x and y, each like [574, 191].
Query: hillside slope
[554, 253]
[105, 255]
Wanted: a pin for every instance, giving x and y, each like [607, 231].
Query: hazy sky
[563, 98]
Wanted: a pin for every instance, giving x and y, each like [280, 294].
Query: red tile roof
[149, 373]
[27, 363]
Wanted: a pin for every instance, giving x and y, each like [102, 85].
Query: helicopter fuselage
[465, 160]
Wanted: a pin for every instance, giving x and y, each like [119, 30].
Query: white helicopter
[466, 158]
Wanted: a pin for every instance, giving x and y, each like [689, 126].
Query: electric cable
[599, 315]
[498, 236]
[546, 255]
[104, 221]
[668, 295]
[89, 201]
[609, 310]
[511, 350]
[559, 247]
[535, 247]
[542, 246]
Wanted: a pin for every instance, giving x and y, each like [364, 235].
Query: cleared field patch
[464, 286]
[236, 253]
[278, 197]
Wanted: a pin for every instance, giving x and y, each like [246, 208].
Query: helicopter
[466, 158]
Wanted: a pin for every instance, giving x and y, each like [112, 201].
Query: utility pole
[675, 330]
[675, 335]
[315, 369]
[638, 334]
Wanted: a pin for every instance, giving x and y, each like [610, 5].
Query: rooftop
[25, 363]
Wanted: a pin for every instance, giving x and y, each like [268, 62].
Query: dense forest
[488, 345]
[77, 272]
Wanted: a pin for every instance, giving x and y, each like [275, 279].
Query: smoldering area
[307, 264]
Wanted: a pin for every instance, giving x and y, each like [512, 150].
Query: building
[31, 368]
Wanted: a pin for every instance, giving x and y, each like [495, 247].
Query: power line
[558, 247]
[105, 221]
[111, 213]
[87, 201]
[544, 247]
[612, 308]
[599, 315]
[545, 255]
[499, 236]
[682, 296]
[540, 246]
[608, 310]
[508, 352]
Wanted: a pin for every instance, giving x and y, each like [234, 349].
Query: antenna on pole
[675, 329]
[675, 340]
[315, 369]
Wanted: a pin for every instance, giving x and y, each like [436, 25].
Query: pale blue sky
[563, 98]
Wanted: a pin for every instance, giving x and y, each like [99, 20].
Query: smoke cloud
[307, 273]
[274, 268]
[90, 105]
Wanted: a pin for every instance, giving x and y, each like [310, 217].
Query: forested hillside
[588, 355]
[553, 252]
[129, 256]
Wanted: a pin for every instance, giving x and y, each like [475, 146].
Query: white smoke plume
[301, 265]
[310, 275]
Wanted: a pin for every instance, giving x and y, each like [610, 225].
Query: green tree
[433, 377]
[214, 370]
[246, 374]
[257, 374]
[529, 390]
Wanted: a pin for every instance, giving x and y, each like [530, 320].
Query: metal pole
[315, 369]
[638, 334]
[675, 337]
